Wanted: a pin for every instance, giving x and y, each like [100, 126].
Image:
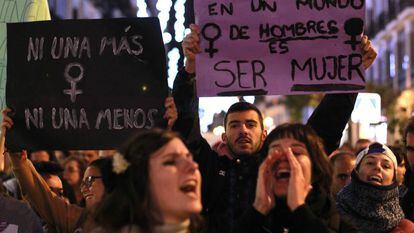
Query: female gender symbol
[73, 92]
[211, 50]
[354, 27]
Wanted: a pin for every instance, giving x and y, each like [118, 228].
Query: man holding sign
[229, 184]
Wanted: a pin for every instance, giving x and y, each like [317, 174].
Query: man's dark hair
[51, 154]
[241, 107]
[408, 129]
[361, 141]
[48, 168]
[399, 153]
[340, 155]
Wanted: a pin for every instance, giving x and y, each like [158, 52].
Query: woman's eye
[169, 162]
[271, 150]
[297, 153]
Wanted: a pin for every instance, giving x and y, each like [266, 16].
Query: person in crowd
[229, 182]
[407, 201]
[106, 153]
[361, 144]
[293, 186]
[55, 211]
[401, 168]
[89, 155]
[346, 147]
[17, 216]
[50, 172]
[74, 168]
[97, 181]
[59, 215]
[12, 187]
[343, 163]
[42, 156]
[60, 156]
[158, 187]
[371, 200]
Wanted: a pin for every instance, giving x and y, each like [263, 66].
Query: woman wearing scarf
[371, 200]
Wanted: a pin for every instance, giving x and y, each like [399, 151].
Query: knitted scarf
[371, 208]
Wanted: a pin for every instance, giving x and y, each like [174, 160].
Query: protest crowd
[296, 178]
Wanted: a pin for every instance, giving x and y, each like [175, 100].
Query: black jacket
[407, 200]
[228, 186]
[317, 215]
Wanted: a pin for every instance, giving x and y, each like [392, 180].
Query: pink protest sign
[272, 47]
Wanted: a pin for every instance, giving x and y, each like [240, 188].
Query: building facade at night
[390, 25]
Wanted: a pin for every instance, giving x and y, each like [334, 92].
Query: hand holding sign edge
[369, 53]
[191, 47]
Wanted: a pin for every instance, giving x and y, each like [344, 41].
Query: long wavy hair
[130, 202]
[321, 169]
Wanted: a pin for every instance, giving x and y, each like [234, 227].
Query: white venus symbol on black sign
[73, 92]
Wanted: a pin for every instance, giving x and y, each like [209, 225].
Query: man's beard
[235, 154]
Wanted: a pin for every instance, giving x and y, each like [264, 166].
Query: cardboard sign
[84, 84]
[259, 47]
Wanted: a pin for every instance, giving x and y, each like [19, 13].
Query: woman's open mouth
[282, 174]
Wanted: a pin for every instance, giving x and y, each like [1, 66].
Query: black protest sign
[84, 84]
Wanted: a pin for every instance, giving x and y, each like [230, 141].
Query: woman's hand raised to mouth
[265, 199]
[298, 187]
